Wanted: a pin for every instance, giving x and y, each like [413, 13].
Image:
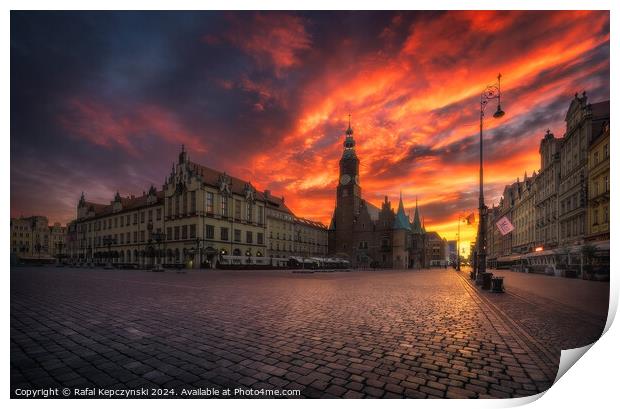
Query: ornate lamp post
[458, 243]
[491, 92]
[197, 254]
[108, 242]
[159, 237]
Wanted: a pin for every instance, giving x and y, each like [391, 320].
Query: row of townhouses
[33, 238]
[565, 204]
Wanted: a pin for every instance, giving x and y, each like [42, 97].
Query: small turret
[182, 155]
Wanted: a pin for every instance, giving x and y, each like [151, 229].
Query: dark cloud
[100, 101]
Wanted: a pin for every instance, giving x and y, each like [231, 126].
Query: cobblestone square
[358, 334]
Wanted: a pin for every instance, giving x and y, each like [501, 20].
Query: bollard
[497, 285]
[486, 280]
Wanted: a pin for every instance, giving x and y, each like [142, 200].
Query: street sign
[504, 226]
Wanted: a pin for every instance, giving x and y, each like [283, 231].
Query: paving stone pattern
[383, 334]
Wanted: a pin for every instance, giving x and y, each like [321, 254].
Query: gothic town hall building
[366, 235]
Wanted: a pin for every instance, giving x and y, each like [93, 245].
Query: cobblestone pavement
[390, 334]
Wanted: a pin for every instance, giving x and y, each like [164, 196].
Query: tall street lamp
[491, 92]
[159, 237]
[197, 253]
[109, 241]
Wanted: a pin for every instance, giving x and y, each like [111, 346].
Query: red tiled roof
[211, 177]
[129, 203]
[311, 223]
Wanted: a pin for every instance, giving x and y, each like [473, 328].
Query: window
[224, 206]
[177, 231]
[261, 210]
[169, 233]
[224, 233]
[122, 221]
[115, 222]
[192, 231]
[237, 235]
[141, 235]
[184, 203]
[248, 212]
[595, 188]
[159, 214]
[209, 202]
[238, 209]
[142, 217]
[209, 231]
[260, 239]
[193, 202]
[248, 237]
[184, 231]
[595, 217]
[127, 220]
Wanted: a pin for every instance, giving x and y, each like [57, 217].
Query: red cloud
[272, 39]
[420, 92]
[105, 126]
[397, 102]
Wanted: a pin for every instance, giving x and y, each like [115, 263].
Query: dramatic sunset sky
[102, 102]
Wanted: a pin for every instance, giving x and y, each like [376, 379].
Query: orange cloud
[426, 94]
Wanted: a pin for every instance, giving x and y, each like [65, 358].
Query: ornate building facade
[524, 214]
[200, 217]
[369, 236]
[563, 206]
[33, 238]
[583, 120]
[598, 182]
[546, 187]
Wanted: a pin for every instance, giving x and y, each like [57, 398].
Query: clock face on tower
[345, 179]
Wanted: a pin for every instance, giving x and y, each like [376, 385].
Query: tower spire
[349, 142]
[401, 221]
[417, 225]
[349, 130]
